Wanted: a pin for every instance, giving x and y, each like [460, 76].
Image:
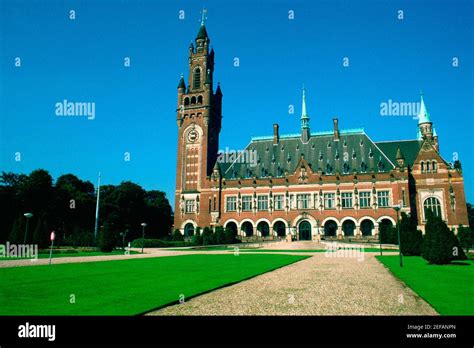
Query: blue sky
[82, 60]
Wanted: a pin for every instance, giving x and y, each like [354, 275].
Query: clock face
[193, 136]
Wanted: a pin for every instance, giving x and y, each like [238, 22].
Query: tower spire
[425, 125]
[305, 132]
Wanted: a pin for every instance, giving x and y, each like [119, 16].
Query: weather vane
[203, 16]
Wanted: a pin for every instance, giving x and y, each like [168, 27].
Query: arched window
[381, 166]
[363, 167]
[428, 167]
[434, 167]
[422, 167]
[345, 168]
[193, 100]
[186, 101]
[197, 78]
[189, 230]
[328, 169]
[199, 100]
[433, 204]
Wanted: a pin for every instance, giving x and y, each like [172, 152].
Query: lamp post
[143, 234]
[28, 217]
[397, 209]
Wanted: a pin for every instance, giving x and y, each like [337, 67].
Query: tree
[440, 245]
[229, 236]
[465, 238]
[197, 238]
[411, 239]
[220, 237]
[207, 236]
[177, 236]
[107, 239]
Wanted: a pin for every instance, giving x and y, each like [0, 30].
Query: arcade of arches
[305, 229]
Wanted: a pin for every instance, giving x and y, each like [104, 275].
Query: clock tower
[198, 116]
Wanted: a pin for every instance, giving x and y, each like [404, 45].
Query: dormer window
[328, 169]
[345, 168]
[363, 167]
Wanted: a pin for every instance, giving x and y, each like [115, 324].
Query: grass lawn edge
[303, 257]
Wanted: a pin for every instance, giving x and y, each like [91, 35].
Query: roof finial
[203, 16]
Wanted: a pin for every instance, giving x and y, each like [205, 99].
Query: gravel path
[319, 285]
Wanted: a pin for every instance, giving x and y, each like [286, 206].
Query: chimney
[276, 135]
[336, 128]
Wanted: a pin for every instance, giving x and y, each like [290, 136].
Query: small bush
[207, 236]
[107, 239]
[220, 237]
[465, 237]
[177, 236]
[197, 238]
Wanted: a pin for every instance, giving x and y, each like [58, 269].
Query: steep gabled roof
[409, 148]
[354, 152]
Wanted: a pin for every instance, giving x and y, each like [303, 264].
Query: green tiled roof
[202, 34]
[354, 151]
[409, 148]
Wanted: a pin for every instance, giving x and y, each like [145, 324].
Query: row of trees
[68, 207]
[439, 245]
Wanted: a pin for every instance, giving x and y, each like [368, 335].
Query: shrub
[229, 236]
[440, 245]
[177, 236]
[388, 234]
[411, 239]
[207, 236]
[465, 237]
[197, 238]
[107, 240]
[220, 237]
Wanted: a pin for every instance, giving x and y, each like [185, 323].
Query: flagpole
[97, 212]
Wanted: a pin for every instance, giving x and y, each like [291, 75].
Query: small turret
[400, 158]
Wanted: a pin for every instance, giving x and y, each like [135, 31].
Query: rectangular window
[262, 202]
[190, 206]
[278, 202]
[346, 200]
[364, 199]
[246, 203]
[329, 200]
[302, 201]
[231, 203]
[383, 198]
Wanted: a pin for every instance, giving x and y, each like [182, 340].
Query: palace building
[332, 184]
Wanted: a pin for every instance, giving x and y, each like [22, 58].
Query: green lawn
[231, 249]
[78, 253]
[124, 287]
[449, 289]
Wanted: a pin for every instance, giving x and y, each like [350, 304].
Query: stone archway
[348, 227]
[263, 228]
[366, 227]
[279, 228]
[330, 228]
[247, 228]
[188, 230]
[304, 230]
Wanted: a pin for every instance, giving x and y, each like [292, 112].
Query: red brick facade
[308, 201]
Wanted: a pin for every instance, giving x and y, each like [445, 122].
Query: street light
[397, 209]
[28, 217]
[143, 234]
